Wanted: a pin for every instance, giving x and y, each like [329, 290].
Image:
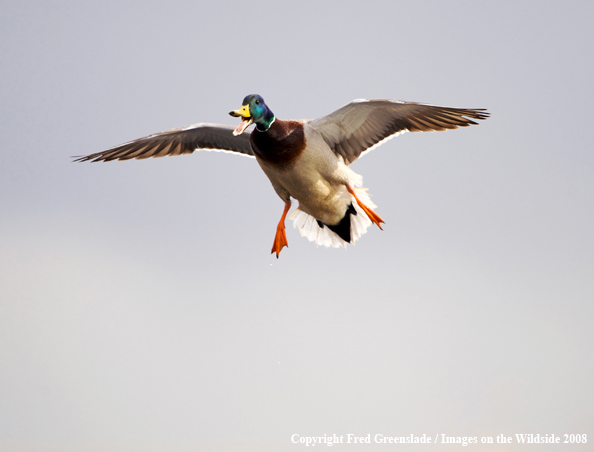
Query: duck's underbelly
[325, 200]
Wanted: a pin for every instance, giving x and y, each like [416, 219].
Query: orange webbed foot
[374, 217]
[280, 239]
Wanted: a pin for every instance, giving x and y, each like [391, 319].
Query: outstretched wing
[364, 124]
[209, 137]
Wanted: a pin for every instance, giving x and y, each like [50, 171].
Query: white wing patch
[204, 124]
[379, 143]
[226, 151]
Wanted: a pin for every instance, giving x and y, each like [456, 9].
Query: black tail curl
[343, 228]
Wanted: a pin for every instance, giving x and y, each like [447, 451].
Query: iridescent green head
[253, 110]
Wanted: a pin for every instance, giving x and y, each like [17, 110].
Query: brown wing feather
[360, 125]
[177, 142]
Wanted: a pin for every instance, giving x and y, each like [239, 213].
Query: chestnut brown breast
[281, 144]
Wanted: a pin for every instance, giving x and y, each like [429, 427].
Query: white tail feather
[308, 226]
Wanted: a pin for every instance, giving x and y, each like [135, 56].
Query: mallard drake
[307, 160]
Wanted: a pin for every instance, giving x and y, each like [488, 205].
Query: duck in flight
[307, 160]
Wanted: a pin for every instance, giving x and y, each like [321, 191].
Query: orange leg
[374, 217]
[280, 239]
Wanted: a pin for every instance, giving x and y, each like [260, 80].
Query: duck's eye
[257, 102]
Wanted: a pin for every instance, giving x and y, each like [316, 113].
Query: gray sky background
[140, 309]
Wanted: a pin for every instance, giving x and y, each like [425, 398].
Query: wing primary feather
[157, 149]
[164, 150]
[416, 126]
[135, 153]
[429, 125]
[440, 124]
[175, 145]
